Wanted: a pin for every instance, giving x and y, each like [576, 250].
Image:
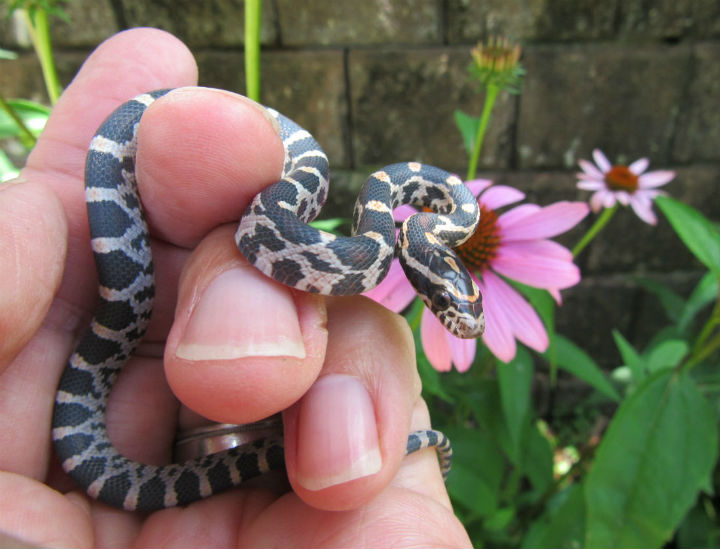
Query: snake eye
[441, 300]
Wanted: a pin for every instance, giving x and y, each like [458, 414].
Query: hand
[237, 346]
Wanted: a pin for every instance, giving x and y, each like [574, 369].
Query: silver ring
[210, 439]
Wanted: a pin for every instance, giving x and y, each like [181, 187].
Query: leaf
[515, 378]
[573, 359]
[671, 301]
[666, 354]
[536, 458]
[657, 453]
[563, 522]
[631, 357]
[34, 116]
[7, 168]
[7, 54]
[330, 225]
[468, 126]
[477, 470]
[704, 293]
[695, 230]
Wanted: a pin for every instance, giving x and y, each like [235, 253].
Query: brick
[669, 19]
[469, 22]
[698, 132]
[348, 22]
[309, 87]
[198, 24]
[623, 100]
[403, 103]
[91, 22]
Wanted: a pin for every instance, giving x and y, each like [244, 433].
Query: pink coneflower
[512, 244]
[627, 185]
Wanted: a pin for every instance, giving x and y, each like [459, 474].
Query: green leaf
[671, 301]
[536, 458]
[468, 126]
[695, 230]
[476, 487]
[7, 54]
[573, 359]
[515, 379]
[563, 522]
[631, 357]
[657, 454]
[34, 116]
[330, 225]
[705, 292]
[667, 354]
[7, 168]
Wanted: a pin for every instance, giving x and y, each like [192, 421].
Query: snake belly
[274, 236]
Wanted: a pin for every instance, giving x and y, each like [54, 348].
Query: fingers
[32, 256]
[242, 346]
[203, 155]
[346, 438]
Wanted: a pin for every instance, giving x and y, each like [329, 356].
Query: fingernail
[337, 433]
[241, 314]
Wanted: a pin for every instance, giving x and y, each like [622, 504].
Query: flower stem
[599, 224]
[27, 134]
[40, 35]
[253, 15]
[490, 97]
[702, 347]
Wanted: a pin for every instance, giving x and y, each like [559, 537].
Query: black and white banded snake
[274, 236]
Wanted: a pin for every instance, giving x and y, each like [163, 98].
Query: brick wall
[377, 81]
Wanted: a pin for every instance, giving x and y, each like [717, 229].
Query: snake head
[446, 287]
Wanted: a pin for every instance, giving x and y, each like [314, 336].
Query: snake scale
[274, 236]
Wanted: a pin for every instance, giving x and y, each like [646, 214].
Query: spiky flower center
[620, 178]
[481, 248]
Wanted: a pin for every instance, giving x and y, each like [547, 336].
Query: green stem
[40, 35]
[702, 347]
[27, 134]
[599, 224]
[490, 97]
[253, 15]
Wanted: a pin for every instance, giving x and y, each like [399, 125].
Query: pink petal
[434, 343]
[643, 208]
[462, 352]
[498, 331]
[548, 221]
[639, 166]
[394, 292]
[402, 212]
[601, 160]
[477, 186]
[499, 196]
[590, 169]
[526, 323]
[655, 179]
[555, 293]
[516, 214]
[608, 199]
[597, 200]
[536, 270]
[590, 185]
[622, 197]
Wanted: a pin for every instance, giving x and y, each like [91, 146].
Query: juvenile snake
[274, 236]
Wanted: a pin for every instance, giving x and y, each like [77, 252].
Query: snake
[275, 236]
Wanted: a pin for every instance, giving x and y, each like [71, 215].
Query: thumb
[32, 256]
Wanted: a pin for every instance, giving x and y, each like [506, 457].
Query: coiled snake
[274, 236]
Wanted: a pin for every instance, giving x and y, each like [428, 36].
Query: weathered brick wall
[377, 82]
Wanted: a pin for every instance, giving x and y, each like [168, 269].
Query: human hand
[237, 346]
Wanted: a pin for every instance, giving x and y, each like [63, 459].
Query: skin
[202, 156]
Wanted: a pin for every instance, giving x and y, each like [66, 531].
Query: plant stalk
[40, 35]
[599, 224]
[27, 134]
[491, 94]
[253, 16]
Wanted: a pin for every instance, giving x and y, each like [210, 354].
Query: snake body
[274, 236]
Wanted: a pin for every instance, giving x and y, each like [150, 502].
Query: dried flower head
[497, 63]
